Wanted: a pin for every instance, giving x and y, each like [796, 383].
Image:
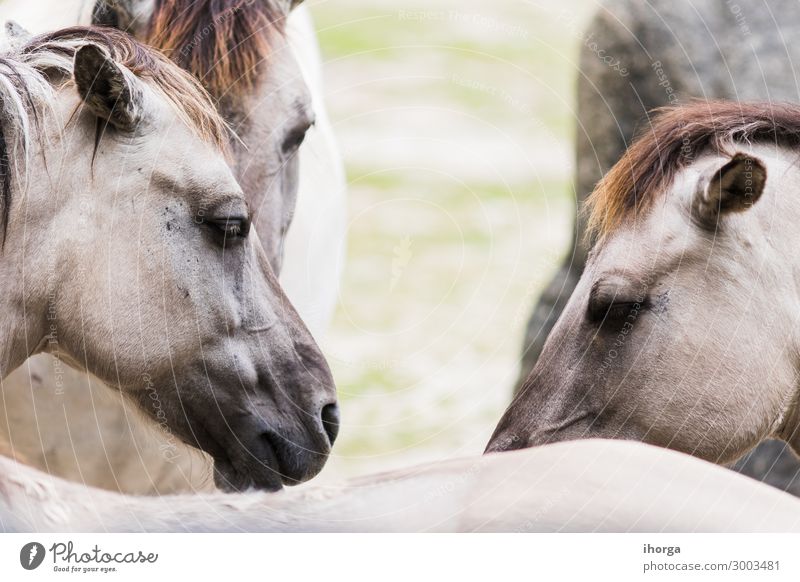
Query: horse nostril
[330, 421]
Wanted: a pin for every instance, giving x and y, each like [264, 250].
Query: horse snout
[299, 456]
[507, 440]
[302, 452]
[329, 417]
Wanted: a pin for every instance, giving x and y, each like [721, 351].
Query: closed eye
[229, 229]
[615, 311]
[295, 138]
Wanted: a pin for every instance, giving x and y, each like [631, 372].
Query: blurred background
[456, 127]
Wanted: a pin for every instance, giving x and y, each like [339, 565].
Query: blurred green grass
[456, 126]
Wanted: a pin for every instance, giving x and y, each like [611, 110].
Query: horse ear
[132, 16]
[105, 88]
[16, 33]
[734, 187]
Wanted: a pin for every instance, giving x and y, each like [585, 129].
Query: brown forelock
[224, 43]
[189, 99]
[672, 140]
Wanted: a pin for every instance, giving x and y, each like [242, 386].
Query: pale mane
[27, 74]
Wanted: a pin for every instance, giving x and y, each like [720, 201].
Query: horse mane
[190, 101]
[224, 43]
[27, 75]
[672, 141]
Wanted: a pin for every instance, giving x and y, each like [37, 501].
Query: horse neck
[779, 216]
[23, 293]
[24, 289]
[21, 325]
[27, 259]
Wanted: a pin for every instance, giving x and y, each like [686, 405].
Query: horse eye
[295, 139]
[230, 228]
[616, 311]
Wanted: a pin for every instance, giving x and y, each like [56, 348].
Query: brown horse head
[682, 331]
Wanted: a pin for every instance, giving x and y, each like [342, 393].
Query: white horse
[114, 450]
[580, 486]
[315, 242]
[126, 251]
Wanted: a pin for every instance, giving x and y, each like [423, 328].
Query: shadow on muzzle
[276, 428]
[267, 455]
